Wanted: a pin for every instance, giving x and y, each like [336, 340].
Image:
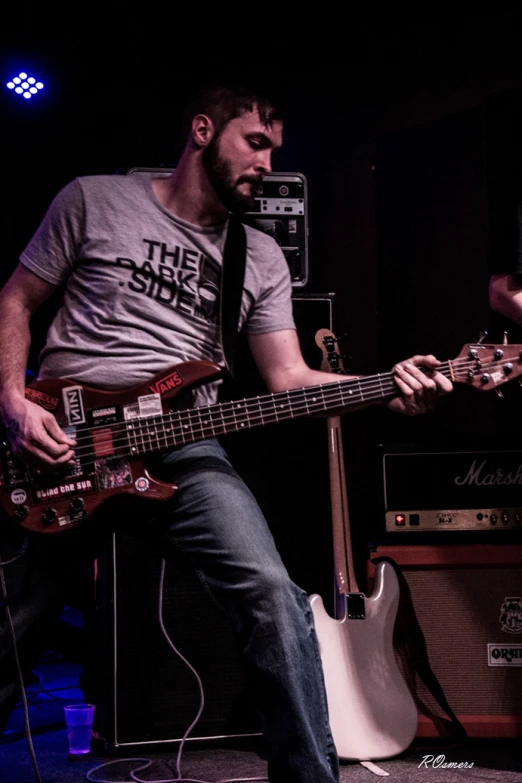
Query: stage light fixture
[25, 85]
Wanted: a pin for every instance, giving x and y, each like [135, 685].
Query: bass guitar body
[116, 434]
[372, 713]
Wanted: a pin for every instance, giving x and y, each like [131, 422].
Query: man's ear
[203, 130]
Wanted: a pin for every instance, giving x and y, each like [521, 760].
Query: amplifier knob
[493, 519]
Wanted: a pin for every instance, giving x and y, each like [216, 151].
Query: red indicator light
[400, 520]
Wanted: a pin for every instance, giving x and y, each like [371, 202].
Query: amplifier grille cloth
[458, 610]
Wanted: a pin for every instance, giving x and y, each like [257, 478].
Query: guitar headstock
[486, 366]
[332, 360]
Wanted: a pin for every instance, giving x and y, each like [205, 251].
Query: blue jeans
[216, 522]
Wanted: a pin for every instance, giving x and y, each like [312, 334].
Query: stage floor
[56, 683]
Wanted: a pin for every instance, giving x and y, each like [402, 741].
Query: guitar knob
[77, 504]
[50, 515]
[21, 513]
[508, 368]
[486, 378]
[499, 353]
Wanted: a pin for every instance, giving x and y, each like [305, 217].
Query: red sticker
[167, 383]
[102, 442]
[46, 401]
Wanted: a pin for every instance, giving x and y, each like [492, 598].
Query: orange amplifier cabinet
[468, 601]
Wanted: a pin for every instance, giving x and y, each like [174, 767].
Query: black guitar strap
[233, 276]
[410, 644]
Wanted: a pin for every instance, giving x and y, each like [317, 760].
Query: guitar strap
[233, 275]
[410, 644]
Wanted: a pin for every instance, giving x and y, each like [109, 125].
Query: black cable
[17, 659]
[21, 552]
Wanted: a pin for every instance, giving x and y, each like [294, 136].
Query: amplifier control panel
[423, 520]
[442, 491]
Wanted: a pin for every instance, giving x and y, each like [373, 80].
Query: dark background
[407, 127]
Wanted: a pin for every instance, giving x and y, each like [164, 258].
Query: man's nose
[264, 162]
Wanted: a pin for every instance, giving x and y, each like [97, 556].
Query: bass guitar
[371, 710]
[117, 430]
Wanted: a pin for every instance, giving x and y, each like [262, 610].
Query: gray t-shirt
[142, 286]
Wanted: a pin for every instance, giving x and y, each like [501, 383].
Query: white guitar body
[372, 713]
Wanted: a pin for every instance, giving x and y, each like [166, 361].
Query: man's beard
[218, 173]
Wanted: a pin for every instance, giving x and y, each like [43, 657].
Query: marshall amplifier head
[281, 210]
[427, 491]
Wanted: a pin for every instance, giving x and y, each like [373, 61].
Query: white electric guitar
[372, 713]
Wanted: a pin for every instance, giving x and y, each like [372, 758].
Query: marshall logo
[511, 615]
[46, 401]
[73, 403]
[167, 383]
[480, 477]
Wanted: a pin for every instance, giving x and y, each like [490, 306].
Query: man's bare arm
[505, 296]
[33, 433]
[20, 297]
[279, 359]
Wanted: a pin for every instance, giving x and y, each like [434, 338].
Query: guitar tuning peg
[505, 339]
[499, 394]
[483, 335]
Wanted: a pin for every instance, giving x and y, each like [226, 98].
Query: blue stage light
[25, 85]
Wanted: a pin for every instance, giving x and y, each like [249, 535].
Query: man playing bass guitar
[139, 258]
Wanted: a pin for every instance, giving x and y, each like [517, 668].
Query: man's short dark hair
[223, 102]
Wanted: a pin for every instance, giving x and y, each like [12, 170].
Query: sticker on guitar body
[73, 404]
[147, 405]
[171, 381]
[47, 401]
[64, 489]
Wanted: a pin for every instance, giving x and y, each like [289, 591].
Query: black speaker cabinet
[143, 693]
[468, 600]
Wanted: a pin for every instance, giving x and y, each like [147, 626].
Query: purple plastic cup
[79, 719]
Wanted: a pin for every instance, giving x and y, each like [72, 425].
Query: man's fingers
[427, 394]
[432, 381]
[409, 378]
[55, 431]
[38, 458]
[405, 388]
[425, 361]
[42, 442]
